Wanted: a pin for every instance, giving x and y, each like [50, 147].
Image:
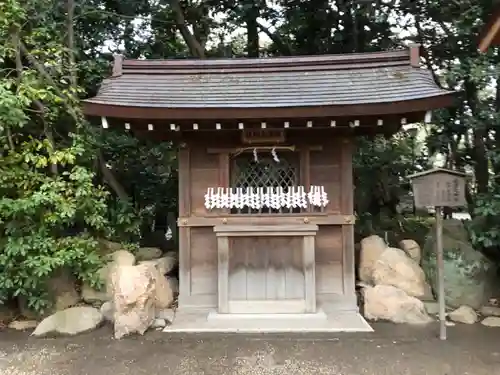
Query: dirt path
[392, 350]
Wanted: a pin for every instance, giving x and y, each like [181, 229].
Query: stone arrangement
[397, 283]
[136, 296]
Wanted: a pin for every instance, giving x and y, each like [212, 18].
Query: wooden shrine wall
[199, 169]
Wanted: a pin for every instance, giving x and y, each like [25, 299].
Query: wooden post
[440, 188]
[309, 273]
[223, 274]
[440, 273]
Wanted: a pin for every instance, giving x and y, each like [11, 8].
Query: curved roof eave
[96, 108]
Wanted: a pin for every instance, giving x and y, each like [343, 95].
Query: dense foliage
[63, 183]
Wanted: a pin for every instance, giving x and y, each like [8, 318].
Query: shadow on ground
[391, 350]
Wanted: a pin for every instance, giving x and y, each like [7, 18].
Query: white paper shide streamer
[265, 197]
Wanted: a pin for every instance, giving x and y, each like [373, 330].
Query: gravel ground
[394, 350]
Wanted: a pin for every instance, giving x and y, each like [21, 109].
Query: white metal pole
[440, 273]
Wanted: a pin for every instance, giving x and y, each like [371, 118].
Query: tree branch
[41, 70]
[284, 47]
[108, 176]
[201, 26]
[19, 72]
[194, 46]
[71, 42]
[425, 52]
[479, 135]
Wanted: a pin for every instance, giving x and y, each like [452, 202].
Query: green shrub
[47, 221]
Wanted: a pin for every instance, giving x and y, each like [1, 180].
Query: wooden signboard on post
[439, 188]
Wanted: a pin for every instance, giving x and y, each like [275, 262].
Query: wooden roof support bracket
[117, 65]
[415, 55]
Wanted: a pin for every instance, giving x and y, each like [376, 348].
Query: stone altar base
[198, 321]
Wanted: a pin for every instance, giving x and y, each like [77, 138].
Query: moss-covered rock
[469, 276]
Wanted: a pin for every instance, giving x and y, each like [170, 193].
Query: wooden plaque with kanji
[439, 188]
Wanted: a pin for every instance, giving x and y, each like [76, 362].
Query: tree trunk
[479, 135]
[71, 42]
[110, 178]
[251, 16]
[107, 174]
[350, 43]
[496, 126]
[128, 38]
[19, 72]
[194, 45]
[284, 48]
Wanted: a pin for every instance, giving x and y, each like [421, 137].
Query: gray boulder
[386, 302]
[139, 291]
[394, 267]
[491, 321]
[71, 321]
[464, 314]
[469, 276]
[148, 253]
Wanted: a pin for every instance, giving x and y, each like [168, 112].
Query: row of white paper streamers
[265, 197]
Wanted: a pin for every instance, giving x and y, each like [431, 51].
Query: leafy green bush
[484, 229]
[47, 221]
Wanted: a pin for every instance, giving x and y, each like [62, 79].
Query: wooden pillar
[309, 250]
[309, 274]
[347, 206]
[223, 274]
[184, 232]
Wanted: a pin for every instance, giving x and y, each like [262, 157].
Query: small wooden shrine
[266, 220]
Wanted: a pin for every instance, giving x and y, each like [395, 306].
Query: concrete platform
[210, 321]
